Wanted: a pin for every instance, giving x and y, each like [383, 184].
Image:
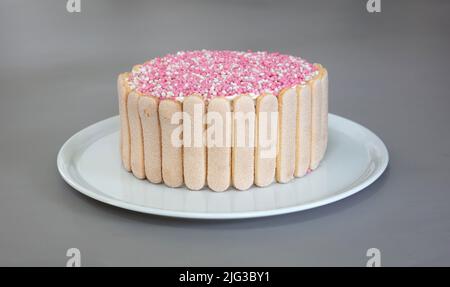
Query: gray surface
[388, 71]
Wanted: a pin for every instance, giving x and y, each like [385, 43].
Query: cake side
[123, 89]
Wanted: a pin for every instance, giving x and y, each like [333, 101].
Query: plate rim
[65, 174]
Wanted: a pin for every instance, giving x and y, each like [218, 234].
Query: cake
[221, 119]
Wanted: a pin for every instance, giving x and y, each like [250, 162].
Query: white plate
[90, 162]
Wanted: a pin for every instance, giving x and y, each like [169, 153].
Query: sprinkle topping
[219, 73]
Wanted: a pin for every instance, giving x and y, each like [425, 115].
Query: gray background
[388, 71]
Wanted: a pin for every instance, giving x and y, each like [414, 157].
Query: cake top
[219, 73]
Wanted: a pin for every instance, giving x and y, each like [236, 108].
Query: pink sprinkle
[220, 73]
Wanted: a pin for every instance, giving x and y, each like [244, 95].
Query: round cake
[222, 119]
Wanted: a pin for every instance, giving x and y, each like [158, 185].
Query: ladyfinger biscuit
[324, 80]
[148, 112]
[303, 145]
[218, 139]
[266, 139]
[170, 116]
[316, 122]
[287, 108]
[136, 138]
[243, 151]
[194, 146]
[123, 89]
